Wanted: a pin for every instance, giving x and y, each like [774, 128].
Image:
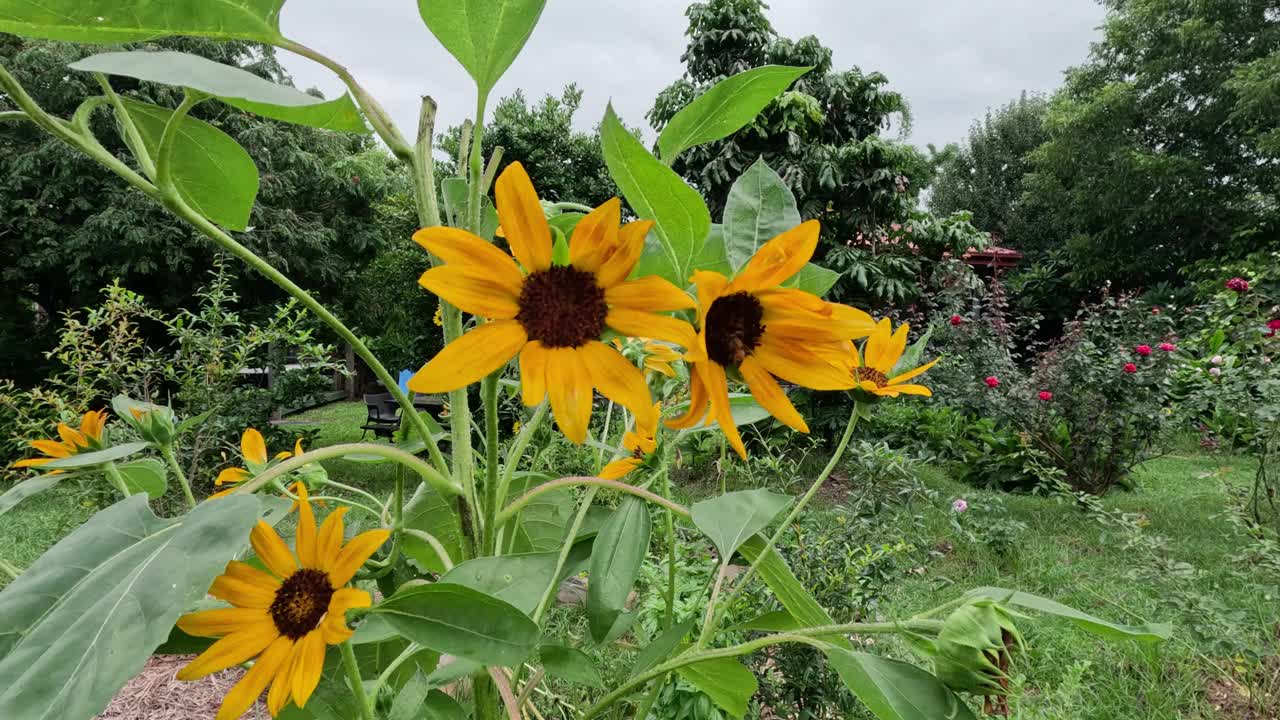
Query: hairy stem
[413, 462]
[167, 452]
[583, 506]
[564, 482]
[355, 681]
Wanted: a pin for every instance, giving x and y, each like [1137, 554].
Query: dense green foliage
[69, 227]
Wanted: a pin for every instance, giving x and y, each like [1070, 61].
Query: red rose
[1045, 395]
[1273, 326]
[992, 381]
[1143, 350]
[1238, 284]
[956, 320]
[1130, 368]
[1168, 347]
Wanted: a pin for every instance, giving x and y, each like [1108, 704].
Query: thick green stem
[424, 166]
[167, 452]
[355, 681]
[669, 618]
[708, 618]
[565, 482]
[565, 549]
[489, 399]
[435, 544]
[518, 446]
[117, 480]
[297, 462]
[128, 129]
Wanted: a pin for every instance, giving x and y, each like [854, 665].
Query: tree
[566, 164]
[823, 136]
[69, 227]
[985, 176]
[1155, 156]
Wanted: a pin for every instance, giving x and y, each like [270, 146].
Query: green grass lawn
[1175, 558]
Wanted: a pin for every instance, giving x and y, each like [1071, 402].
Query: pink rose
[1168, 347]
[959, 505]
[1143, 350]
[1130, 368]
[956, 320]
[992, 381]
[1045, 395]
[1238, 284]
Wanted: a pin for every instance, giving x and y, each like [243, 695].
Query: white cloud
[952, 60]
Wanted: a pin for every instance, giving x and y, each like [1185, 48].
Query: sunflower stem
[669, 521]
[489, 397]
[9, 569]
[355, 681]
[517, 504]
[604, 436]
[167, 452]
[113, 474]
[516, 452]
[565, 549]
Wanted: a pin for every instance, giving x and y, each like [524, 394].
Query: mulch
[156, 694]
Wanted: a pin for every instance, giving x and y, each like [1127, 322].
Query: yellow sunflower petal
[801, 366]
[71, 437]
[619, 468]
[854, 323]
[697, 403]
[472, 289]
[650, 293]
[305, 541]
[595, 236]
[718, 392]
[253, 447]
[461, 248]
[329, 542]
[245, 693]
[33, 462]
[523, 221]
[533, 372]
[250, 574]
[222, 621]
[231, 650]
[890, 351]
[617, 265]
[93, 423]
[52, 448]
[768, 393]
[469, 358]
[644, 324]
[334, 626]
[282, 684]
[353, 555]
[618, 380]
[780, 299]
[242, 593]
[569, 385]
[272, 550]
[710, 286]
[899, 379]
[873, 349]
[908, 389]
[308, 664]
[778, 259]
[231, 475]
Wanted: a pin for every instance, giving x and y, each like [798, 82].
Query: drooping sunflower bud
[974, 649]
[155, 424]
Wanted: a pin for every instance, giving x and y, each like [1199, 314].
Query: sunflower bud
[155, 424]
[973, 651]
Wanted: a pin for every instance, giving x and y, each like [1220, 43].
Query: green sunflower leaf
[120, 21]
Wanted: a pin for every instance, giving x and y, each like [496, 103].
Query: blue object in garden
[404, 380]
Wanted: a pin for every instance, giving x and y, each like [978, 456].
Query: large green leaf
[760, 207]
[541, 523]
[894, 690]
[712, 255]
[84, 618]
[787, 587]
[725, 108]
[26, 489]
[145, 475]
[1149, 632]
[813, 279]
[236, 87]
[120, 21]
[732, 518]
[418, 700]
[97, 457]
[210, 169]
[725, 680]
[461, 621]
[429, 512]
[616, 558]
[657, 193]
[570, 664]
[518, 579]
[744, 409]
[484, 35]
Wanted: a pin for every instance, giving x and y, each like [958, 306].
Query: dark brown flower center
[301, 602]
[865, 373]
[734, 328]
[562, 306]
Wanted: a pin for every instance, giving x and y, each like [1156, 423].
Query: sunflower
[871, 370]
[551, 316]
[640, 442]
[254, 449]
[88, 438]
[284, 616]
[759, 330]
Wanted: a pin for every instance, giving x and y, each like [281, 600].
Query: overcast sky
[952, 59]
